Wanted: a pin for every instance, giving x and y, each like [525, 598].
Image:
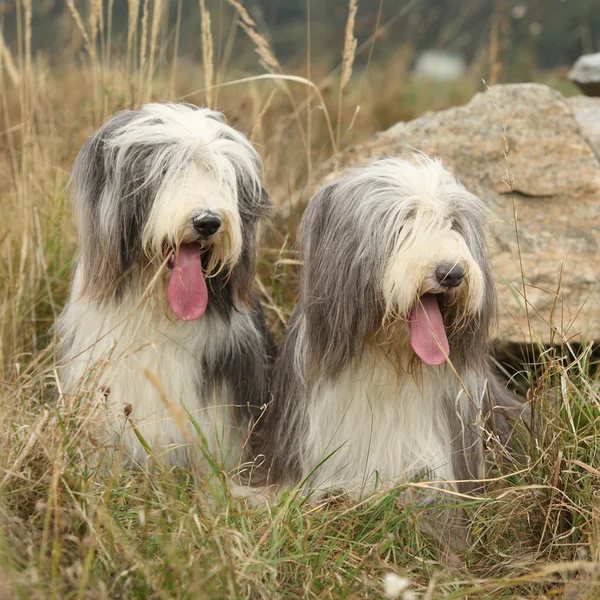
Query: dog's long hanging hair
[384, 373]
[162, 328]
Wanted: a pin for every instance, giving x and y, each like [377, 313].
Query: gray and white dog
[385, 373]
[162, 327]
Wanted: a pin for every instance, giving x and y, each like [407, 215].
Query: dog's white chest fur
[374, 426]
[136, 361]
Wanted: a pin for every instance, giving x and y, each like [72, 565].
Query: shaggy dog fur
[384, 374]
[162, 329]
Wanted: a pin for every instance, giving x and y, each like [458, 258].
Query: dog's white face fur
[194, 193]
[425, 242]
[415, 209]
[207, 185]
[159, 170]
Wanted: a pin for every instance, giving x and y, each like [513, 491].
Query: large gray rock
[586, 74]
[521, 150]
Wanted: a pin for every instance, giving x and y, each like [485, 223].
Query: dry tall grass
[67, 530]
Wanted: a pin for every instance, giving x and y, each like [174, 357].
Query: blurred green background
[531, 34]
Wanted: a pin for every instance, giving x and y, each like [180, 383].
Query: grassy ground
[69, 531]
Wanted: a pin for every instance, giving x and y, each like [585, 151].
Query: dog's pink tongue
[427, 333]
[188, 295]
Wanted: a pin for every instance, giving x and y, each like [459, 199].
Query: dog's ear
[341, 267]
[471, 344]
[254, 205]
[112, 197]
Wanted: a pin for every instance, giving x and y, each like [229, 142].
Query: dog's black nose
[207, 225]
[449, 276]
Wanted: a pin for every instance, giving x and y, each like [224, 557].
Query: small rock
[440, 66]
[586, 74]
